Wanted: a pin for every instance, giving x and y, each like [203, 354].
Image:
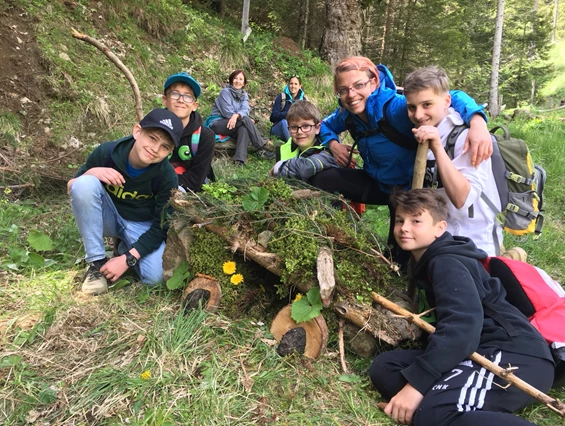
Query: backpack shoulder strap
[383, 127]
[108, 162]
[452, 139]
[283, 99]
[195, 141]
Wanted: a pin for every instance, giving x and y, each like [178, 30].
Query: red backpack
[538, 297]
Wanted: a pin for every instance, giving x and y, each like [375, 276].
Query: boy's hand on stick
[478, 140]
[107, 175]
[428, 133]
[403, 405]
[341, 153]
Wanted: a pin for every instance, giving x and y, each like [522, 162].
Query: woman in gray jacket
[230, 116]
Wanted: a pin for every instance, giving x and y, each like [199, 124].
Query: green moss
[297, 244]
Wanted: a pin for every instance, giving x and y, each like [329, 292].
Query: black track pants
[468, 394]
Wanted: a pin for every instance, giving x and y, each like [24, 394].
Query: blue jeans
[280, 130]
[96, 217]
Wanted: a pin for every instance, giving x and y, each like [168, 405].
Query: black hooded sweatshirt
[455, 282]
[199, 167]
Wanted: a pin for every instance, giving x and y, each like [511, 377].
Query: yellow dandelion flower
[229, 267]
[236, 279]
[297, 298]
[145, 375]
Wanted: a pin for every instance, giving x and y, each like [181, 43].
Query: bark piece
[378, 322]
[196, 290]
[316, 331]
[326, 277]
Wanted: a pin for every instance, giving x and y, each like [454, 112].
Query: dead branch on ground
[116, 61]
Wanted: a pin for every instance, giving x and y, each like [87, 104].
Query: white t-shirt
[475, 219]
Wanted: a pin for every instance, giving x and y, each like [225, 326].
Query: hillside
[61, 95]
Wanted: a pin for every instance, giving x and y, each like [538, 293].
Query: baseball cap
[161, 118]
[183, 78]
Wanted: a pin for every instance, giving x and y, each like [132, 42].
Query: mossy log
[378, 323]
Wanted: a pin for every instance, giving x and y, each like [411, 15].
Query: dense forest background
[406, 34]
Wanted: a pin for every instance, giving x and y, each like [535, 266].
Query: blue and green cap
[185, 78]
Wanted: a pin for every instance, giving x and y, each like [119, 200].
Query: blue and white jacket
[386, 162]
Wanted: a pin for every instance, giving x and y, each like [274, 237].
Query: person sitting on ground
[193, 159]
[367, 97]
[440, 385]
[428, 99]
[292, 93]
[302, 157]
[121, 191]
[230, 116]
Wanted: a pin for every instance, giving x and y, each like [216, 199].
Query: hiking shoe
[266, 155]
[239, 163]
[95, 282]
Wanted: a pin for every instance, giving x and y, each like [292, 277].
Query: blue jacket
[386, 162]
[279, 111]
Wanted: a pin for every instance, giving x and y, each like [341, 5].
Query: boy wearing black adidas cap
[121, 191]
[192, 161]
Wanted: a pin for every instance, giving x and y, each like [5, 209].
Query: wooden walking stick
[420, 165]
[504, 373]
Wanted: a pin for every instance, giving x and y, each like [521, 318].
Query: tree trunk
[494, 107]
[342, 34]
[555, 13]
[387, 29]
[245, 16]
[305, 19]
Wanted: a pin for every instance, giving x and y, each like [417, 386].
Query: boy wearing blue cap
[121, 191]
[192, 160]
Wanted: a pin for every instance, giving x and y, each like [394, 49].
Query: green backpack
[519, 181]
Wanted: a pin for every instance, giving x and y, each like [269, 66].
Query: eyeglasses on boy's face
[344, 91]
[175, 96]
[305, 128]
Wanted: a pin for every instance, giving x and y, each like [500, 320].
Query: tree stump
[204, 291]
[316, 330]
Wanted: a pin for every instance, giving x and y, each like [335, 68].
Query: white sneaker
[95, 282]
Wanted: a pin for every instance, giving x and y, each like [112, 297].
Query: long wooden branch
[116, 61]
[506, 374]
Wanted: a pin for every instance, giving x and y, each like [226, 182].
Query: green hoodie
[135, 200]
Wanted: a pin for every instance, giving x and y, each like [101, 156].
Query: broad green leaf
[179, 276]
[35, 260]
[18, 255]
[349, 378]
[256, 199]
[10, 361]
[40, 241]
[314, 296]
[302, 310]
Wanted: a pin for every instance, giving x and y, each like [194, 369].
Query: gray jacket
[305, 165]
[227, 105]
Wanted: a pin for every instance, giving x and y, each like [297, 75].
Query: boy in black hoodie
[439, 385]
[192, 160]
[121, 191]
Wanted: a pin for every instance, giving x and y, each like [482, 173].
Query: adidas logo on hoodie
[167, 122]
